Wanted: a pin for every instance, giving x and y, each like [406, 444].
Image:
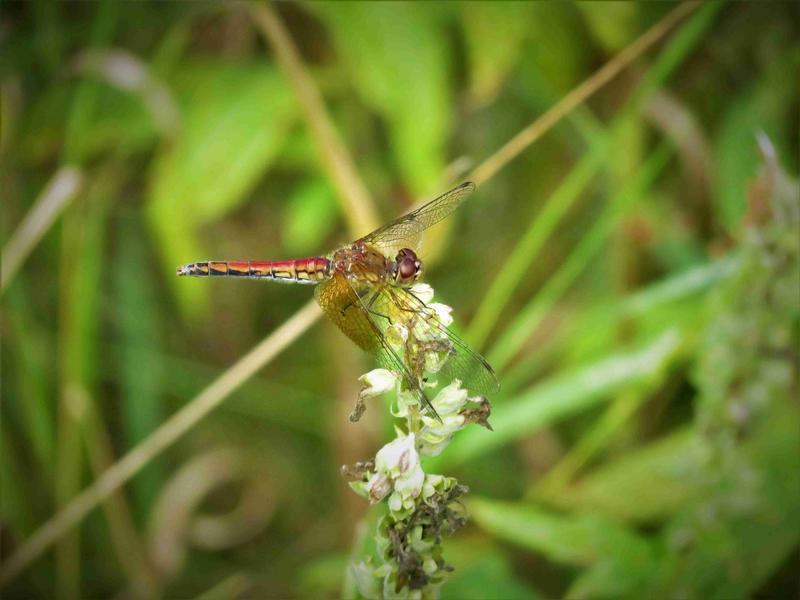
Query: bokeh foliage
[633, 275]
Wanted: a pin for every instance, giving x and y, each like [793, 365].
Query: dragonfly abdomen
[299, 270]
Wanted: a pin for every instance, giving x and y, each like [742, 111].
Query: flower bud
[378, 487]
[377, 382]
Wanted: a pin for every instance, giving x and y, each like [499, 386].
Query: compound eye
[407, 268]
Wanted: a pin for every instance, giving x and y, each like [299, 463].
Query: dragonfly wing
[340, 302]
[463, 363]
[345, 306]
[406, 231]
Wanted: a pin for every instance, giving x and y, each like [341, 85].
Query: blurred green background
[632, 276]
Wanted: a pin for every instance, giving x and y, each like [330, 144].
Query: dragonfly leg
[351, 304]
[374, 312]
[405, 307]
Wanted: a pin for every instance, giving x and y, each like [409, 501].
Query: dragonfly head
[407, 267]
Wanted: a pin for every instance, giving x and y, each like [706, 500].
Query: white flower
[397, 471]
[417, 335]
[430, 485]
[450, 399]
[434, 361]
[378, 487]
[396, 334]
[405, 399]
[435, 434]
[442, 311]
[410, 485]
[377, 382]
[423, 292]
[398, 457]
[429, 566]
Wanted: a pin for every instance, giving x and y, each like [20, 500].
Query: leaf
[34, 377]
[235, 119]
[613, 24]
[561, 397]
[310, 215]
[490, 572]
[550, 44]
[323, 576]
[736, 159]
[672, 301]
[494, 33]
[728, 555]
[141, 370]
[580, 257]
[639, 486]
[622, 561]
[398, 60]
[119, 121]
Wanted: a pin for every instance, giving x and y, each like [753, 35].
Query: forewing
[345, 306]
[463, 363]
[406, 231]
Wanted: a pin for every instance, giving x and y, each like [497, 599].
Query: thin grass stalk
[580, 94]
[69, 463]
[63, 186]
[128, 546]
[357, 205]
[84, 245]
[172, 429]
[515, 267]
[601, 434]
[76, 318]
[564, 395]
[81, 268]
[638, 304]
[233, 586]
[541, 227]
[37, 410]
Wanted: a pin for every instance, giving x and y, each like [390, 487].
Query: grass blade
[60, 190]
[638, 487]
[167, 434]
[644, 305]
[562, 396]
[520, 329]
[542, 226]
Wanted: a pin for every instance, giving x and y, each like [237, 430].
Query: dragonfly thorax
[406, 268]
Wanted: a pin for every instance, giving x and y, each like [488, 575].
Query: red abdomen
[299, 270]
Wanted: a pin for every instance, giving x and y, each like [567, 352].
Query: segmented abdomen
[300, 270]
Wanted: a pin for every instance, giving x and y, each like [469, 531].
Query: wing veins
[430, 317]
[391, 354]
[412, 224]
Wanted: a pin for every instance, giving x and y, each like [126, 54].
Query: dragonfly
[366, 290]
